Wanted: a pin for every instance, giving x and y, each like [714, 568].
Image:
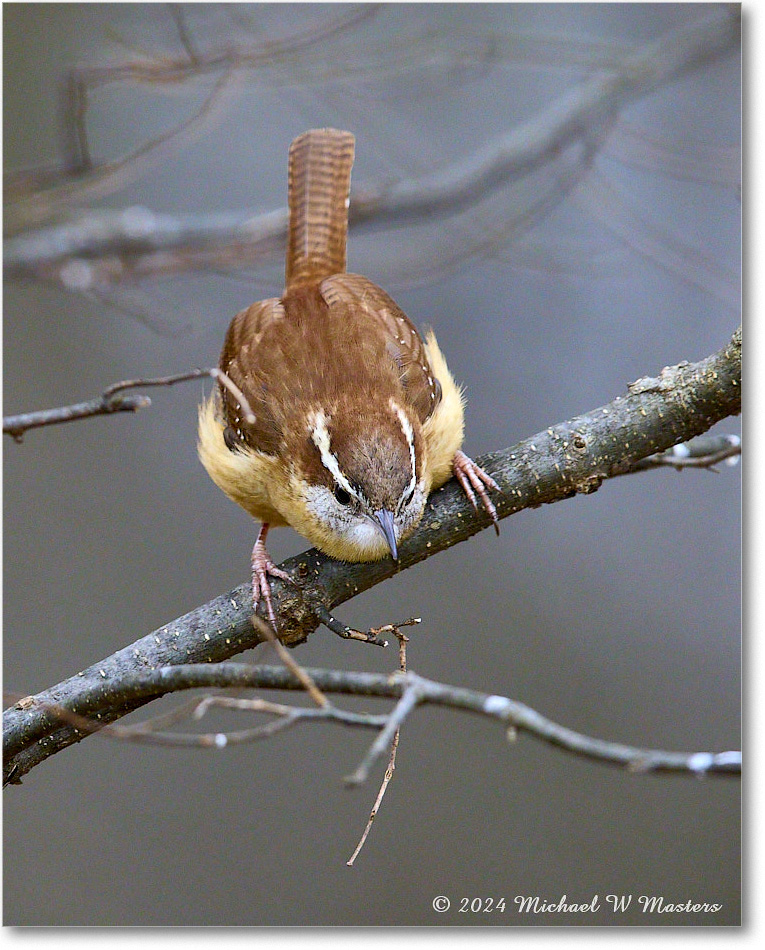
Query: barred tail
[320, 165]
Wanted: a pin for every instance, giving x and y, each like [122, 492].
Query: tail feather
[320, 163]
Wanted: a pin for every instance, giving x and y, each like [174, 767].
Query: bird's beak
[384, 521]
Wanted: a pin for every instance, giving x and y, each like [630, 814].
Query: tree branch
[111, 400]
[103, 405]
[570, 458]
[408, 689]
[702, 452]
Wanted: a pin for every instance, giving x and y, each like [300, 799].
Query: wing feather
[403, 343]
[241, 362]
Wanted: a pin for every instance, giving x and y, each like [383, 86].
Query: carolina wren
[357, 419]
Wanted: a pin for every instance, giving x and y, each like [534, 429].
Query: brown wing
[239, 360]
[403, 342]
[320, 164]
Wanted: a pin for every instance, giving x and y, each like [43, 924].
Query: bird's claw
[264, 568]
[474, 479]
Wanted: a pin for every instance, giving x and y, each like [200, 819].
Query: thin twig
[402, 642]
[110, 402]
[383, 787]
[16, 426]
[236, 392]
[702, 452]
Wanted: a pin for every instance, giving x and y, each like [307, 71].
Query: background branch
[702, 452]
[567, 459]
[135, 243]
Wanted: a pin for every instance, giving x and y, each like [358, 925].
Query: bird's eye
[342, 495]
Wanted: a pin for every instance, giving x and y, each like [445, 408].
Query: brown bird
[357, 419]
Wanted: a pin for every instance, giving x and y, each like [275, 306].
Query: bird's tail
[320, 163]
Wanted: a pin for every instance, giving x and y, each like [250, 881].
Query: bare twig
[702, 452]
[402, 642]
[110, 401]
[16, 426]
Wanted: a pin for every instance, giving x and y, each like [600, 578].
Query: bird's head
[359, 480]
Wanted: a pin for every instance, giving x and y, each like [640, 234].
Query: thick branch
[567, 459]
[145, 241]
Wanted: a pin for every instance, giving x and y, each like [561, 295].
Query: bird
[350, 418]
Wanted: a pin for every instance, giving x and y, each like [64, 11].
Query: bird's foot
[263, 568]
[474, 479]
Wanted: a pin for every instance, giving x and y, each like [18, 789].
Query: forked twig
[111, 401]
[150, 731]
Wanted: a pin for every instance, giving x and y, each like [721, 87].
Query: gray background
[616, 614]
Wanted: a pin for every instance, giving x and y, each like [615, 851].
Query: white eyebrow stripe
[406, 425]
[320, 438]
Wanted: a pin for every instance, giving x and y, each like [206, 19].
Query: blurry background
[616, 613]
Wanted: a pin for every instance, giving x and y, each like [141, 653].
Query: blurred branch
[171, 70]
[81, 180]
[137, 243]
[686, 160]
[581, 115]
[27, 210]
[625, 218]
[703, 452]
[567, 459]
